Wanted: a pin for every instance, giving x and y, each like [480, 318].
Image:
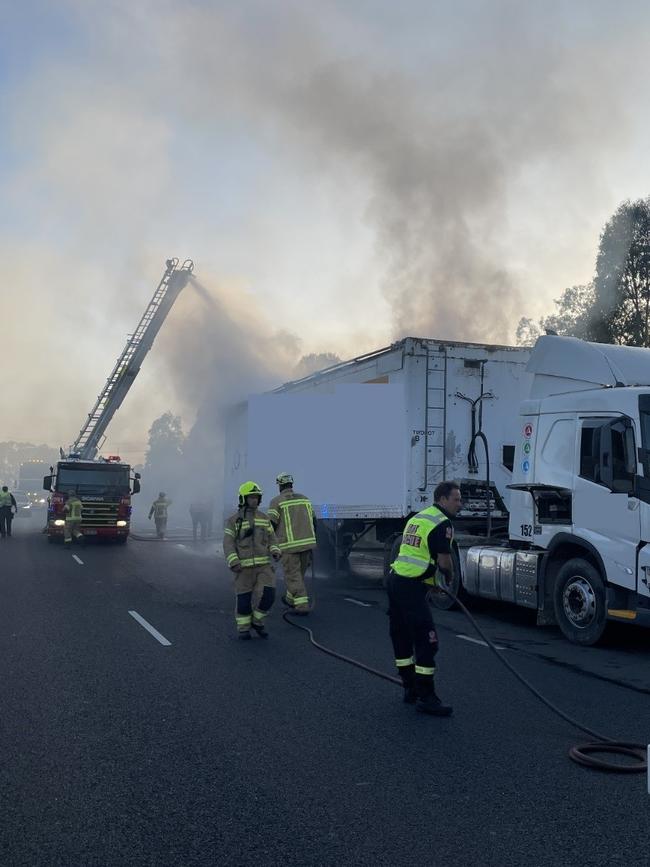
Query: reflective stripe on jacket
[249, 539]
[414, 559]
[159, 508]
[292, 515]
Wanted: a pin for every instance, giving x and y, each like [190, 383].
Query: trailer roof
[491, 347]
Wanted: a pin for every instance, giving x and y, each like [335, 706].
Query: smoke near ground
[220, 349]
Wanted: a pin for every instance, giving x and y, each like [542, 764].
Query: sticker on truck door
[528, 430]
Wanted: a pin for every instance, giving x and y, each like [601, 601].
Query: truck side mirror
[136, 486]
[47, 483]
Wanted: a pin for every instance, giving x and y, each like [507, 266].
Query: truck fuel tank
[503, 573]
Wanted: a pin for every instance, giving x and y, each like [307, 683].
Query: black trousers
[199, 522]
[412, 629]
[6, 517]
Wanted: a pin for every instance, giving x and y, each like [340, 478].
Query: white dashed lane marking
[478, 641]
[150, 629]
[78, 559]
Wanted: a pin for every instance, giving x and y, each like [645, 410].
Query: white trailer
[368, 440]
[551, 447]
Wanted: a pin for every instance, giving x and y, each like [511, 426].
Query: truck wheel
[439, 598]
[580, 602]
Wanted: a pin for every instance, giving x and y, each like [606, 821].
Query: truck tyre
[580, 602]
[439, 598]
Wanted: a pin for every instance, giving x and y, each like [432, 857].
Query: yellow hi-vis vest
[5, 499]
[414, 558]
[292, 515]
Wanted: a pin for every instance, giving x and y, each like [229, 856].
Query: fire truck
[105, 485]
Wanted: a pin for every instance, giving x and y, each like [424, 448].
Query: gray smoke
[442, 139]
[454, 163]
[219, 349]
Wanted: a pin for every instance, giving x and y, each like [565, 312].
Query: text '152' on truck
[104, 488]
[550, 445]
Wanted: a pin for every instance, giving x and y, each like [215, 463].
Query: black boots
[427, 700]
[407, 673]
[432, 705]
[259, 628]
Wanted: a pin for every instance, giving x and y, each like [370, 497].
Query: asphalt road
[119, 750]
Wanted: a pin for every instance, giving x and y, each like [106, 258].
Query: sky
[343, 174]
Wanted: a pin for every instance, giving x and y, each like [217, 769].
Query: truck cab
[579, 522]
[104, 488]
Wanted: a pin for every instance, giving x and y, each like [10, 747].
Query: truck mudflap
[503, 573]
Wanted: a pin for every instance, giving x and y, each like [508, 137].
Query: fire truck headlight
[59, 523]
[121, 523]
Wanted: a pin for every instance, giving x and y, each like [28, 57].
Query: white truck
[551, 447]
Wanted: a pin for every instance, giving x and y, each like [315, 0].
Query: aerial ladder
[138, 344]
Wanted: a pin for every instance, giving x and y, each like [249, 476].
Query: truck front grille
[99, 514]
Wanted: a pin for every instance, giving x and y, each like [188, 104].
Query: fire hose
[582, 754]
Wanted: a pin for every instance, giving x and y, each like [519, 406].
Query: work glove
[236, 567]
[441, 581]
[276, 555]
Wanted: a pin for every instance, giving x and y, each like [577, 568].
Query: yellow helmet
[246, 490]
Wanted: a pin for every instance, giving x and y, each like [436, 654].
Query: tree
[622, 282]
[166, 440]
[574, 317]
[313, 362]
[615, 306]
[163, 468]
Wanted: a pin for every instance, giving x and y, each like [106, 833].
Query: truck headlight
[59, 523]
[121, 523]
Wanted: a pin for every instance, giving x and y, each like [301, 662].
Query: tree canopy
[615, 306]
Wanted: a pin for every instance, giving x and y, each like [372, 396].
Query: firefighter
[199, 513]
[159, 511]
[249, 543]
[73, 510]
[423, 562]
[8, 508]
[292, 516]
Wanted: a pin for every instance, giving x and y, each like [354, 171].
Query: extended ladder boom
[128, 364]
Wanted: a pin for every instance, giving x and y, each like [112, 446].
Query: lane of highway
[122, 750]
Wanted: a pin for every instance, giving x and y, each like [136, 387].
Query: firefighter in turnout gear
[423, 562]
[292, 517]
[73, 515]
[159, 509]
[249, 543]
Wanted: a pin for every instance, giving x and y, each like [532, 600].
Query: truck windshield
[644, 416]
[93, 480]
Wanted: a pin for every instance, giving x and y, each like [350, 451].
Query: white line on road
[357, 602]
[478, 641]
[150, 628]
[78, 559]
